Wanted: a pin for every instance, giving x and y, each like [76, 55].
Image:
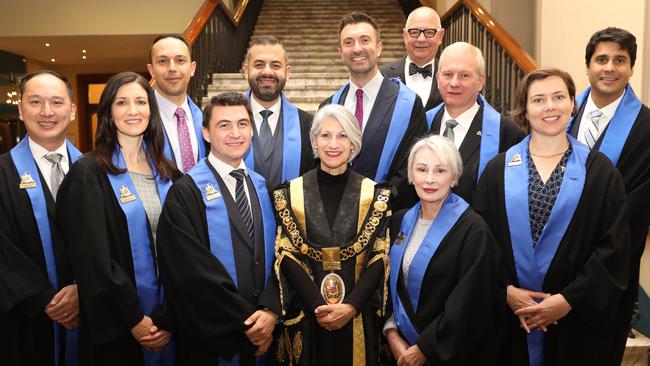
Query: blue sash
[291, 142]
[219, 224]
[531, 264]
[490, 132]
[619, 127]
[398, 125]
[23, 159]
[452, 209]
[197, 117]
[150, 291]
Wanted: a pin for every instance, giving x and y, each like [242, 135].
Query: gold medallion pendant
[333, 289]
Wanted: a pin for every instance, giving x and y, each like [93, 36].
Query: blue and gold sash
[399, 123]
[619, 127]
[30, 181]
[452, 209]
[291, 142]
[219, 224]
[490, 132]
[532, 263]
[149, 290]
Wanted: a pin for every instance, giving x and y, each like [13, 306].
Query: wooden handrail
[525, 62]
[201, 17]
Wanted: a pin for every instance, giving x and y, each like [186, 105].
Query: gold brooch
[211, 193]
[26, 181]
[126, 195]
[516, 160]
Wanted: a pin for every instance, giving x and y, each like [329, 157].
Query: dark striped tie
[242, 202]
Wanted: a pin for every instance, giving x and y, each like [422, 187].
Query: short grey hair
[464, 47]
[347, 121]
[444, 149]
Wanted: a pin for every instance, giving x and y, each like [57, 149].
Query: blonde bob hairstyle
[444, 149]
[347, 121]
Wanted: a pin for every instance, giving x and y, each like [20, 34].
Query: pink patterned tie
[187, 155]
[358, 112]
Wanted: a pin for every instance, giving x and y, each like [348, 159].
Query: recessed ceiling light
[84, 57]
[83, 51]
[47, 44]
[53, 60]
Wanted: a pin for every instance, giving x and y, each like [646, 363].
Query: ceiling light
[83, 51]
[84, 57]
[47, 44]
[53, 60]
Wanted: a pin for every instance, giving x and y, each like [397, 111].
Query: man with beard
[422, 37]
[390, 115]
[281, 149]
[172, 67]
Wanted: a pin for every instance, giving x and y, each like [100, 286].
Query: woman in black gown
[558, 213]
[108, 208]
[447, 297]
[331, 252]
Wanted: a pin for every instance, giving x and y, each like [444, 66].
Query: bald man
[422, 37]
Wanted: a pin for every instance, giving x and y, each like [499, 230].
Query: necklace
[549, 155]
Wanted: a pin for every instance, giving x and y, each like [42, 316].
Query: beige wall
[95, 17]
[565, 27]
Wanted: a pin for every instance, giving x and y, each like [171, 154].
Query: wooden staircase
[309, 31]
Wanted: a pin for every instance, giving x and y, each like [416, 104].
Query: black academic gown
[590, 268]
[100, 254]
[27, 332]
[396, 70]
[304, 342]
[634, 166]
[374, 136]
[470, 148]
[209, 309]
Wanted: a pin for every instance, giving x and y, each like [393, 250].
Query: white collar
[224, 169]
[408, 61]
[167, 108]
[371, 89]
[464, 119]
[607, 110]
[39, 151]
[256, 107]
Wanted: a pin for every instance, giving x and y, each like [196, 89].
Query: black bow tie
[425, 71]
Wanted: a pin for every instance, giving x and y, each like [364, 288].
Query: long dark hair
[106, 137]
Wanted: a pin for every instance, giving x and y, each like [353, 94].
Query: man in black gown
[612, 120]
[37, 294]
[216, 249]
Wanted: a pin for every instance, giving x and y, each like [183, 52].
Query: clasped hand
[533, 315]
[334, 317]
[260, 333]
[64, 307]
[149, 336]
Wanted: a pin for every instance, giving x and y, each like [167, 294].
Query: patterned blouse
[541, 196]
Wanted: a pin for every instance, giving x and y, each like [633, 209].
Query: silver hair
[465, 47]
[444, 149]
[347, 121]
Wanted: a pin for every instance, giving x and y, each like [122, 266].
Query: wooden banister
[525, 62]
[202, 16]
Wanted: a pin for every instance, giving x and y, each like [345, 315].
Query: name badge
[126, 195]
[26, 181]
[211, 193]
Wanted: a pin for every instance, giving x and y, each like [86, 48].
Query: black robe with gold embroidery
[303, 341]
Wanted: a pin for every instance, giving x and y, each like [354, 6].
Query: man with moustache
[612, 120]
[216, 238]
[390, 115]
[172, 67]
[38, 297]
[466, 118]
[422, 37]
[281, 149]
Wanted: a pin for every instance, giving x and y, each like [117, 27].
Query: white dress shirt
[608, 112]
[370, 91]
[224, 170]
[464, 122]
[44, 165]
[273, 118]
[417, 82]
[167, 110]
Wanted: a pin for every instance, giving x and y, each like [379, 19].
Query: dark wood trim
[205, 11]
[83, 117]
[525, 62]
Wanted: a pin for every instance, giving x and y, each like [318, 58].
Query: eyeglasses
[428, 33]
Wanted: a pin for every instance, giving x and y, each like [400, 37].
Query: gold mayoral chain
[332, 256]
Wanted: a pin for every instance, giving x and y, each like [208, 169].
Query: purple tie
[187, 155]
[358, 112]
